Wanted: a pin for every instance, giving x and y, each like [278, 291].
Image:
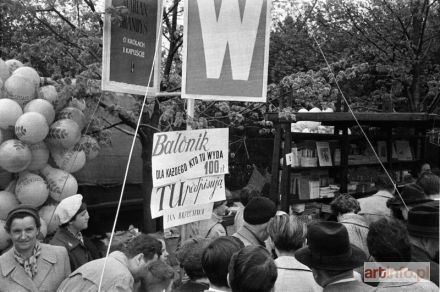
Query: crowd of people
[270, 250]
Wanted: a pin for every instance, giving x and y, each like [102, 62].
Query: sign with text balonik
[184, 155]
[129, 47]
[226, 49]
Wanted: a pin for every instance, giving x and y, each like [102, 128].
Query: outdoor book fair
[219, 145]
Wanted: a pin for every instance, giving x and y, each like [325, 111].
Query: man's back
[117, 277]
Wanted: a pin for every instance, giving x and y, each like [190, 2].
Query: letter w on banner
[226, 49]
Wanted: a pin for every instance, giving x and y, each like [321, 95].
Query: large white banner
[186, 214]
[197, 191]
[184, 155]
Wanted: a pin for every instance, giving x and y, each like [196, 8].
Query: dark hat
[411, 194]
[27, 209]
[259, 210]
[423, 220]
[329, 248]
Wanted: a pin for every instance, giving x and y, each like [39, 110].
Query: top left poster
[129, 47]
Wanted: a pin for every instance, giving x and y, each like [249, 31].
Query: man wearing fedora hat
[423, 229]
[332, 258]
[412, 195]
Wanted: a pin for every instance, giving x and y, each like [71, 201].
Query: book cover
[324, 154]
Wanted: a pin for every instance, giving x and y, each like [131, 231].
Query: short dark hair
[345, 204]
[388, 241]
[252, 269]
[216, 257]
[287, 232]
[145, 244]
[430, 183]
[189, 256]
[246, 194]
[384, 182]
[21, 215]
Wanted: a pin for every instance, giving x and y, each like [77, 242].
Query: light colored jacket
[212, 227]
[117, 276]
[357, 229]
[293, 275]
[375, 207]
[52, 268]
[416, 286]
[248, 237]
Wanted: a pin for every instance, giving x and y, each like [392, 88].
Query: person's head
[287, 233]
[423, 167]
[388, 241]
[257, 214]
[189, 256]
[328, 249]
[252, 269]
[247, 194]
[140, 251]
[383, 182]
[216, 257]
[412, 195]
[344, 204]
[220, 208]
[430, 183]
[423, 226]
[159, 236]
[157, 277]
[72, 213]
[23, 225]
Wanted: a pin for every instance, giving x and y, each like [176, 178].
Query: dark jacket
[79, 254]
[419, 255]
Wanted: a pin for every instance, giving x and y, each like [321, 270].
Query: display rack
[413, 128]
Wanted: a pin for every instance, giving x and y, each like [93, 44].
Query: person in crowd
[215, 261]
[73, 217]
[412, 195]
[256, 215]
[346, 208]
[157, 277]
[332, 258]
[430, 184]
[121, 269]
[388, 241]
[252, 269]
[30, 265]
[423, 229]
[375, 207]
[422, 167]
[159, 236]
[189, 256]
[246, 194]
[212, 227]
[288, 234]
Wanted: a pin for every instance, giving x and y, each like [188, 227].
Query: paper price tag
[289, 158]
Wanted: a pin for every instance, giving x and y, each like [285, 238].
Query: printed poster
[226, 49]
[129, 48]
[184, 155]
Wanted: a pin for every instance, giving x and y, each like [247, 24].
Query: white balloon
[31, 127]
[10, 111]
[43, 107]
[31, 189]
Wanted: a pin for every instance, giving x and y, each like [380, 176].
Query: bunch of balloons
[39, 148]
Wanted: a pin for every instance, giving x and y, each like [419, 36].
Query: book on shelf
[382, 151]
[295, 157]
[324, 154]
[308, 188]
[403, 150]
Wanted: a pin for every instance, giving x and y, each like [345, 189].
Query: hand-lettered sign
[183, 155]
[226, 49]
[129, 48]
[196, 191]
